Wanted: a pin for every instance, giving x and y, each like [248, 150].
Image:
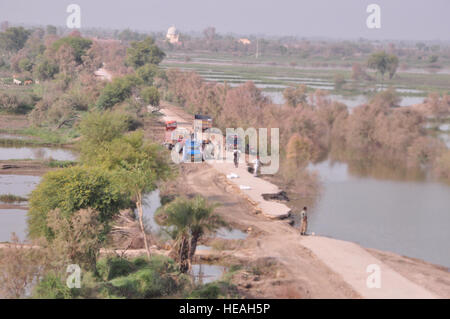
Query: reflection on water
[12, 220]
[20, 185]
[351, 101]
[410, 218]
[204, 273]
[8, 153]
[152, 202]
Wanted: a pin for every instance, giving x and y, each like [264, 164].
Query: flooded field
[407, 217]
[273, 79]
[36, 153]
[20, 185]
[205, 273]
[12, 220]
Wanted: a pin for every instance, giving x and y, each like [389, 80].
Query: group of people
[256, 163]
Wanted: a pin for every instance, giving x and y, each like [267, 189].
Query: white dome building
[172, 35]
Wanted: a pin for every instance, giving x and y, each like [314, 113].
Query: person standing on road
[236, 158]
[255, 167]
[304, 221]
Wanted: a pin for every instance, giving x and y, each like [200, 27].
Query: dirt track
[302, 273]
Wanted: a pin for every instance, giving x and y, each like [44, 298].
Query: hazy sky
[400, 19]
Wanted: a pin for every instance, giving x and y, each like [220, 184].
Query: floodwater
[411, 218]
[20, 185]
[40, 153]
[12, 220]
[350, 101]
[204, 273]
[152, 202]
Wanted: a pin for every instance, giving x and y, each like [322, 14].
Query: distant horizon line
[257, 35]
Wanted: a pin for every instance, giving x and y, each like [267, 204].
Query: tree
[383, 62]
[19, 268]
[147, 73]
[150, 95]
[97, 130]
[25, 65]
[77, 236]
[13, 39]
[209, 33]
[188, 220]
[140, 166]
[387, 98]
[392, 65]
[46, 70]
[339, 81]
[72, 189]
[78, 44]
[295, 95]
[117, 91]
[298, 152]
[143, 52]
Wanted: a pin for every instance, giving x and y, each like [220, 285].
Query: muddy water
[350, 101]
[12, 220]
[152, 202]
[20, 185]
[204, 273]
[8, 153]
[411, 218]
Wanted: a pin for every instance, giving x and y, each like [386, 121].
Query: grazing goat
[18, 82]
[28, 82]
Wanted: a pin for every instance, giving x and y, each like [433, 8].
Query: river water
[408, 217]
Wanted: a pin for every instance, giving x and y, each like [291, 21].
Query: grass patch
[10, 198]
[215, 290]
[44, 136]
[60, 164]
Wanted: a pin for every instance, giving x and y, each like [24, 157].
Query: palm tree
[188, 220]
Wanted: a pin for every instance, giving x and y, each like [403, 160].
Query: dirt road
[303, 274]
[355, 265]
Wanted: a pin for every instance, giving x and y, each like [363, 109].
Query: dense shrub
[144, 52]
[150, 95]
[16, 103]
[72, 189]
[154, 278]
[52, 287]
[79, 46]
[116, 91]
[46, 70]
[215, 290]
[112, 267]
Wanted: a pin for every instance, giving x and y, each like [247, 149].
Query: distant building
[173, 35]
[244, 41]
